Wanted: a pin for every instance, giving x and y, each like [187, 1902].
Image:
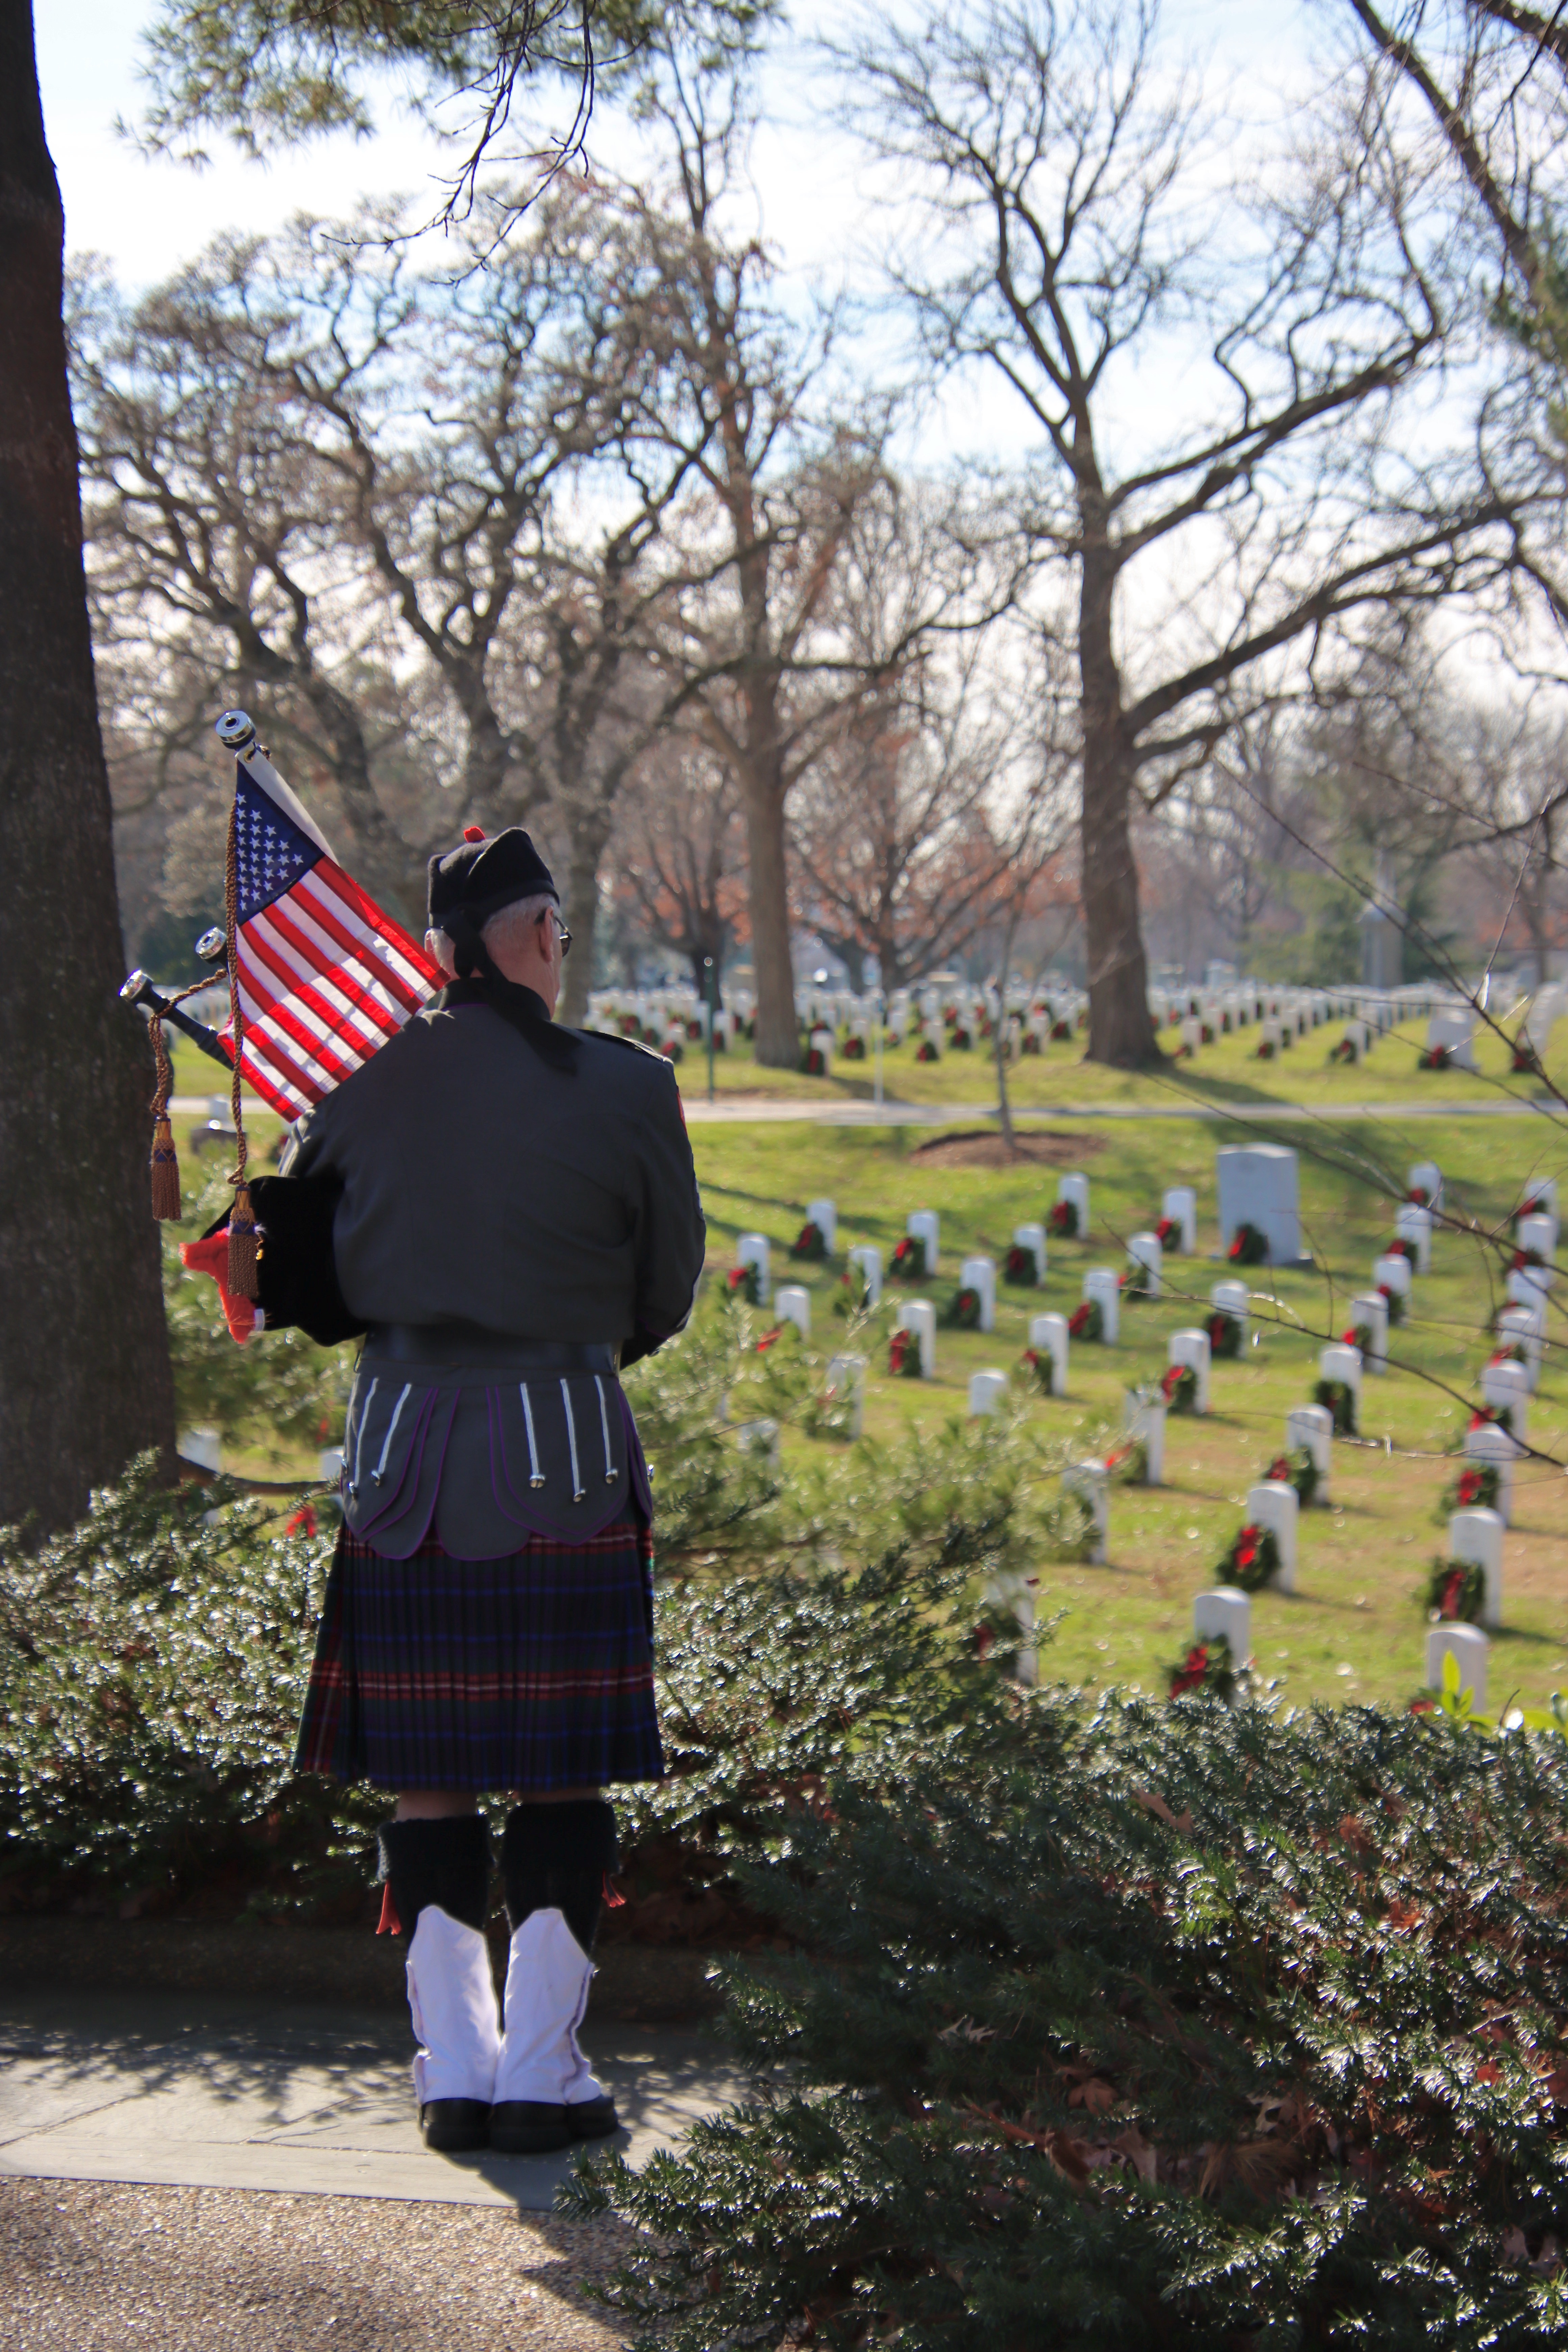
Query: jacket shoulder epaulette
[630, 1044]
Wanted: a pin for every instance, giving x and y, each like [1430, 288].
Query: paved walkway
[230, 2094]
[770, 1110]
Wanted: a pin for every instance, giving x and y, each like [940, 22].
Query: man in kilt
[519, 1218]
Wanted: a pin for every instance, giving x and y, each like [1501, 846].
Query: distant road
[767, 1112]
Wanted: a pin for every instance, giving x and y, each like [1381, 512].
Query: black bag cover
[295, 1272]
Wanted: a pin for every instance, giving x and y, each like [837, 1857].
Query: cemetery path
[766, 1110]
[191, 2174]
[221, 2092]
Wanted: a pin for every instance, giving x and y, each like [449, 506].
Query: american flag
[325, 977]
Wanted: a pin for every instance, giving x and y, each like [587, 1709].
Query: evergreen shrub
[1135, 2025]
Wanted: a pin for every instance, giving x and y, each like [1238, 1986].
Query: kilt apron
[487, 1619]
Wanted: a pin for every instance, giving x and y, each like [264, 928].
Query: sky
[148, 215]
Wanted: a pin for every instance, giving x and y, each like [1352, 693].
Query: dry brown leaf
[1140, 2153]
[1153, 1803]
[1514, 2246]
[1356, 1834]
[1063, 2150]
[1096, 2095]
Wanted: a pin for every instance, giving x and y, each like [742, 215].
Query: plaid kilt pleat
[530, 1672]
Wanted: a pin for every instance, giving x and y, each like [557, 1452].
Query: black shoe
[450, 2125]
[534, 2127]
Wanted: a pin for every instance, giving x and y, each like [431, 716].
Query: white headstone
[926, 1226]
[791, 1304]
[1468, 1645]
[1339, 1362]
[1224, 1616]
[1454, 1028]
[1104, 1283]
[1014, 1592]
[1312, 1426]
[1539, 1234]
[1521, 1327]
[1393, 1271]
[918, 1315]
[1541, 1194]
[824, 1215]
[1180, 1205]
[1494, 1445]
[1048, 1337]
[868, 1258]
[1477, 1535]
[978, 1273]
[758, 1437]
[1528, 1286]
[330, 1465]
[1088, 1482]
[1413, 1226]
[987, 1391]
[1231, 1299]
[1259, 1186]
[202, 1446]
[1427, 1177]
[1508, 1385]
[1075, 1188]
[1368, 1312]
[1193, 1347]
[1146, 1427]
[847, 1385]
[752, 1249]
[1144, 1249]
[1276, 1506]
[1031, 1238]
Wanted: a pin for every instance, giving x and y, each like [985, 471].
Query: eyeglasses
[548, 915]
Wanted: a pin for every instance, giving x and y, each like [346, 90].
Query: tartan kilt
[530, 1672]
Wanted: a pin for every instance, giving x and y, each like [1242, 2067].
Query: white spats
[547, 1978]
[453, 2000]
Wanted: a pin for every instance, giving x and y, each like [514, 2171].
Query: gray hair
[507, 924]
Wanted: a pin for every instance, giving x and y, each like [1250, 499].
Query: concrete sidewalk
[225, 2092]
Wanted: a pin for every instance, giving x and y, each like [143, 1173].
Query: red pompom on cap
[473, 833]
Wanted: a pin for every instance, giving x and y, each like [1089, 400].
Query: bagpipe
[318, 979]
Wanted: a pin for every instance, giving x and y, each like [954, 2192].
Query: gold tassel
[242, 1246]
[166, 1203]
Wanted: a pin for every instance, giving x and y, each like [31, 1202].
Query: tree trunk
[84, 1355]
[778, 1032]
[588, 829]
[1121, 1028]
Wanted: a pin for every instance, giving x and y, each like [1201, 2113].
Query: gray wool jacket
[486, 1187]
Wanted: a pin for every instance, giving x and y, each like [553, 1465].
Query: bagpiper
[514, 1217]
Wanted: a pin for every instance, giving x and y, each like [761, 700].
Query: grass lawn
[1354, 1627]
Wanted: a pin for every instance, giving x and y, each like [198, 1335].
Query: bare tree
[678, 855]
[901, 851]
[313, 463]
[1075, 221]
[753, 647]
[209, 513]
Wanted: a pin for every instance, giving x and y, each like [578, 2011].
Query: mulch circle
[981, 1147]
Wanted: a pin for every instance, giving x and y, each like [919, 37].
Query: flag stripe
[357, 920]
[302, 979]
[275, 1016]
[298, 934]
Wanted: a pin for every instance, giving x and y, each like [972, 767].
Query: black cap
[480, 877]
